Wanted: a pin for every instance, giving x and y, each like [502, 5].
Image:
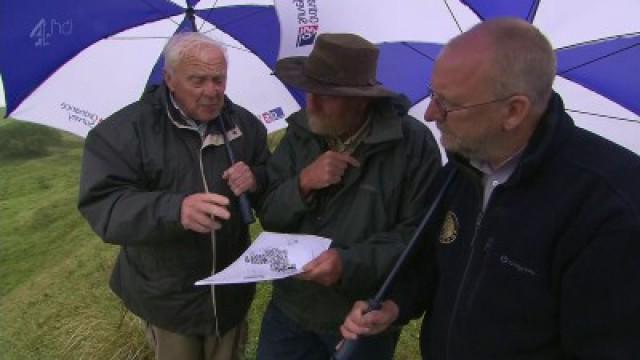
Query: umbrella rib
[533, 10]
[599, 40]
[216, 27]
[157, 9]
[243, 17]
[597, 59]
[229, 45]
[452, 15]
[604, 116]
[208, 12]
[418, 51]
[231, 22]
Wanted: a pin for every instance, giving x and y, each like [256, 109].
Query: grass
[54, 299]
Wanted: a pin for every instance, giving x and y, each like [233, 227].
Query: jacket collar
[158, 95]
[552, 132]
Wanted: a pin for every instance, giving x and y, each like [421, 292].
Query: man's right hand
[359, 322]
[326, 170]
[200, 212]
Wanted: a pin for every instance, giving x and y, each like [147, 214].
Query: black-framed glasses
[445, 110]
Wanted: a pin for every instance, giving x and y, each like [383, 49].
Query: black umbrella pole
[349, 346]
[243, 200]
[191, 15]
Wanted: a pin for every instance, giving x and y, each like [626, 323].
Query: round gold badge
[449, 231]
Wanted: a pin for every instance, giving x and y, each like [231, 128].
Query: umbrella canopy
[597, 44]
[70, 64]
[74, 63]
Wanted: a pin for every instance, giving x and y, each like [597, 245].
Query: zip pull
[477, 228]
[479, 219]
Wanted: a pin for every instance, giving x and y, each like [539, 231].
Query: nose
[211, 88]
[432, 113]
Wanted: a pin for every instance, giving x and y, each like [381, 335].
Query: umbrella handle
[346, 350]
[245, 209]
[349, 346]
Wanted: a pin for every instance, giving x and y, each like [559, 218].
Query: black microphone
[243, 200]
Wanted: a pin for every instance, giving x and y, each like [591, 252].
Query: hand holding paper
[271, 256]
[325, 269]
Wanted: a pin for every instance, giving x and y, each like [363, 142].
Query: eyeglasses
[445, 110]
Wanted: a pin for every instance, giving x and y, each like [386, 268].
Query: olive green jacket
[370, 216]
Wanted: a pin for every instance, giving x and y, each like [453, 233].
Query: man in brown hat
[352, 167]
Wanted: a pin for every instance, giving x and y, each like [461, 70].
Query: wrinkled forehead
[194, 54]
[203, 61]
[203, 52]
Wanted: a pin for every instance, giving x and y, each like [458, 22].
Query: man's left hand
[326, 269]
[360, 322]
[240, 178]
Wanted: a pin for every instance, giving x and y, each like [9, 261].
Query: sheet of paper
[271, 256]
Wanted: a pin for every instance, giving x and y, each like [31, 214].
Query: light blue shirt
[491, 177]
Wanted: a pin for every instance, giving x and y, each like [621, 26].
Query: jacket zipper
[213, 248]
[462, 283]
[213, 233]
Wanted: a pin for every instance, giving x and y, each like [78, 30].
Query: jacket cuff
[350, 283]
[171, 208]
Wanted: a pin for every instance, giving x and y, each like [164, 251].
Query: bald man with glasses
[534, 252]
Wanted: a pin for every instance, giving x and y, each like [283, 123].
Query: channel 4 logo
[44, 31]
[272, 115]
[306, 35]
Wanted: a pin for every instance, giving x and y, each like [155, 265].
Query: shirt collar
[507, 166]
[349, 145]
[200, 127]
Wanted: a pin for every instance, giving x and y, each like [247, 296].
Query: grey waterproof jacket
[138, 166]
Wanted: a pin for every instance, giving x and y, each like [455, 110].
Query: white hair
[182, 43]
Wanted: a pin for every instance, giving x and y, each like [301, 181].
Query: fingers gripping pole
[349, 346]
[243, 200]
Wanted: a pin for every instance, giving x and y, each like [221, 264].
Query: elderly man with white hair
[156, 180]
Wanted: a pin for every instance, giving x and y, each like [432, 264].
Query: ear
[518, 109]
[168, 78]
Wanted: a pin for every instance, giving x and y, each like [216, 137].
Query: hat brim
[290, 71]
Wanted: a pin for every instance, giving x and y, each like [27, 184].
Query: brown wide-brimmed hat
[339, 64]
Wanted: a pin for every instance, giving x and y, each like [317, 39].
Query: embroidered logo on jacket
[449, 231]
[521, 268]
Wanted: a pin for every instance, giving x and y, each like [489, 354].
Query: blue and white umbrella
[597, 43]
[70, 64]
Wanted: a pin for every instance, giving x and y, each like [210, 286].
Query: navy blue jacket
[551, 268]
